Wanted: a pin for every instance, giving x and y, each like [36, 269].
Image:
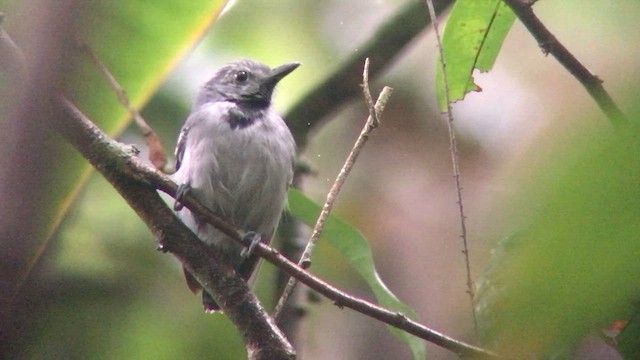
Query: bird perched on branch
[235, 154]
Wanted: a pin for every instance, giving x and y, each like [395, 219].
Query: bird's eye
[241, 76]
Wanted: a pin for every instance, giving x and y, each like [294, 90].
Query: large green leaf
[574, 267]
[140, 42]
[356, 250]
[472, 39]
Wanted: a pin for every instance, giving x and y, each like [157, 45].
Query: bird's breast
[243, 170]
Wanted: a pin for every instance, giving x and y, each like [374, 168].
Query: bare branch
[383, 47]
[372, 122]
[551, 45]
[140, 172]
[453, 148]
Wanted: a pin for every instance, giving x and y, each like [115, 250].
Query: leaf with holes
[472, 39]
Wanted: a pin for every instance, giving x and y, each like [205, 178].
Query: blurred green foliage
[574, 268]
[110, 295]
[106, 277]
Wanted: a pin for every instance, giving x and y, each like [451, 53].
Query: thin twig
[551, 45]
[383, 46]
[366, 92]
[372, 122]
[453, 145]
[157, 153]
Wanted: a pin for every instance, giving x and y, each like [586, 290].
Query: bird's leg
[183, 190]
[251, 240]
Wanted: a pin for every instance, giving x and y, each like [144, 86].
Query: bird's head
[244, 82]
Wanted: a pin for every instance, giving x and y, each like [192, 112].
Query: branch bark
[119, 165]
[137, 182]
[551, 45]
[375, 112]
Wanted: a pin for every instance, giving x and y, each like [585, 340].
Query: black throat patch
[241, 118]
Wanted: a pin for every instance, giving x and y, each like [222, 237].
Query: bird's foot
[183, 190]
[251, 240]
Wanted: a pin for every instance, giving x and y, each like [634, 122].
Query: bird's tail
[209, 304]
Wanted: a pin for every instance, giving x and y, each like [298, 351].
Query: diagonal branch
[136, 183]
[382, 47]
[120, 166]
[551, 45]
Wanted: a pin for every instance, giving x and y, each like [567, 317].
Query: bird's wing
[180, 148]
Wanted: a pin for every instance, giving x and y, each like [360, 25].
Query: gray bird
[235, 154]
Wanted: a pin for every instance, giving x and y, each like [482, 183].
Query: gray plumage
[235, 154]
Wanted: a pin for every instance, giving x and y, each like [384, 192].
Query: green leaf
[574, 270]
[356, 250]
[472, 39]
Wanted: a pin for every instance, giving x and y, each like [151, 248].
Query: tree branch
[551, 45]
[137, 172]
[119, 165]
[136, 182]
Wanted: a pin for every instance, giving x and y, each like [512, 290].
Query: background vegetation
[538, 160]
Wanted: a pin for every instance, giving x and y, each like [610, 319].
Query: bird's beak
[280, 72]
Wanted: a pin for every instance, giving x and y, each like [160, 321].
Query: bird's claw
[183, 190]
[253, 239]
